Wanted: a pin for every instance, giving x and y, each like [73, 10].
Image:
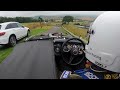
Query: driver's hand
[88, 64]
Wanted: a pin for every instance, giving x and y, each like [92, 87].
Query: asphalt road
[55, 29]
[30, 60]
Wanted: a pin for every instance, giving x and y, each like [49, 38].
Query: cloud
[35, 13]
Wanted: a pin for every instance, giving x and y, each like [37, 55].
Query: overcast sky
[35, 13]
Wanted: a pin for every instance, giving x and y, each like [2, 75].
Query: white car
[10, 32]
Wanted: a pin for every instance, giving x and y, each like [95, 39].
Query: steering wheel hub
[75, 52]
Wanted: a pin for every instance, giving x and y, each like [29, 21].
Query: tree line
[19, 19]
[65, 20]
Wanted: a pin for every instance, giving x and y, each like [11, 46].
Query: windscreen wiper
[37, 38]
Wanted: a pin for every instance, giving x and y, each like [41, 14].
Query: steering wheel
[75, 55]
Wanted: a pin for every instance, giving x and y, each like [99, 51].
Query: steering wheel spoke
[71, 59]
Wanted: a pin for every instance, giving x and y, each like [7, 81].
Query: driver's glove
[74, 76]
[70, 75]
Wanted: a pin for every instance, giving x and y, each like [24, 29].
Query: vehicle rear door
[22, 29]
[17, 30]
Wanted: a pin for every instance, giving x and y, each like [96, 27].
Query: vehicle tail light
[2, 33]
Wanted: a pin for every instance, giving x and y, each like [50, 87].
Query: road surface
[55, 29]
[30, 60]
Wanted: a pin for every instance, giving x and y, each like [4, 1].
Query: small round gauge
[66, 49]
[69, 47]
[74, 46]
[80, 49]
[80, 52]
[57, 50]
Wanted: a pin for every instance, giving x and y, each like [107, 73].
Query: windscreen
[0, 27]
[89, 32]
[34, 54]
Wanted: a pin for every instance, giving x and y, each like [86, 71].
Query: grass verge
[4, 52]
[81, 32]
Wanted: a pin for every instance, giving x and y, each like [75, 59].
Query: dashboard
[77, 46]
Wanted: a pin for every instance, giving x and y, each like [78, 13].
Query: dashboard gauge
[69, 46]
[57, 48]
[74, 46]
[81, 47]
[66, 49]
[80, 52]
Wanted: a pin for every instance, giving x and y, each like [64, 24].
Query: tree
[18, 19]
[46, 20]
[67, 19]
[52, 20]
[40, 20]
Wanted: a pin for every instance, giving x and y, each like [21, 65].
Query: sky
[48, 13]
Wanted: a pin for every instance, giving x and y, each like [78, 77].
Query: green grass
[63, 31]
[4, 52]
[37, 31]
[77, 31]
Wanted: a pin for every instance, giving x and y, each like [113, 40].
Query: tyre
[28, 33]
[12, 41]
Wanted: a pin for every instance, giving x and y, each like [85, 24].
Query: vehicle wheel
[28, 33]
[12, 41]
